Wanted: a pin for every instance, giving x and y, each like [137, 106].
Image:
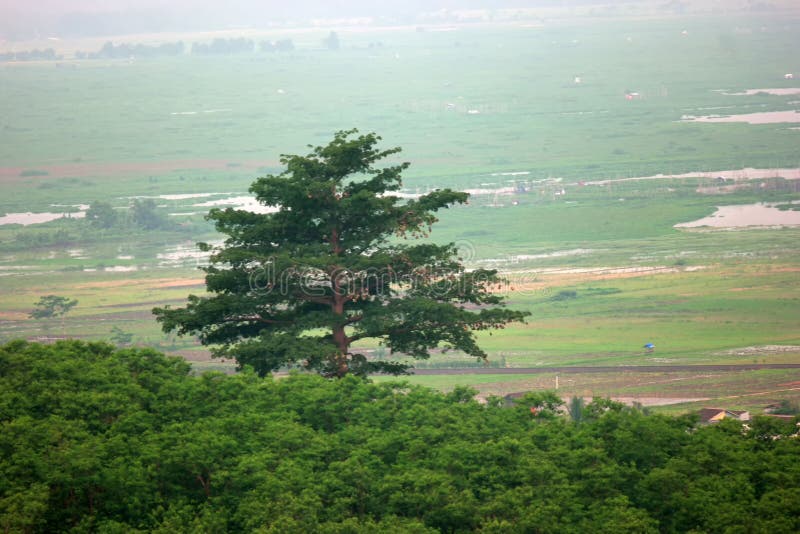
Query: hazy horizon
[84, 18]
[94, 17]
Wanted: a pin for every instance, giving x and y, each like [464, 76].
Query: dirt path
[758, 393]
[583, 369]
[522, 281]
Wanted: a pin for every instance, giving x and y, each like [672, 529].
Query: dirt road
[605, 369]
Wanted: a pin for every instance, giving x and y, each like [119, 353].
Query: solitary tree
[120, 336]
[331, 42]
[576, 408]
[146, 215]
[101, 215]
[53, 307]
[328, 267]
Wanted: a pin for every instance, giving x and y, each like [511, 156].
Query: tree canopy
[329, 266]
[52, 306]
[145, 214]
[99, 439]
[101, 215]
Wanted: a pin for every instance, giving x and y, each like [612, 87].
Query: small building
[788, 76]
[715, 415]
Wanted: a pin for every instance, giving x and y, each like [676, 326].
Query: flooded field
[749, 215]
[184, 255]
[780, 91]
[764, 117]
[736, 174]
[28, 218]
[244, 202]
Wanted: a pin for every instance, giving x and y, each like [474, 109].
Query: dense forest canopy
[99, 439]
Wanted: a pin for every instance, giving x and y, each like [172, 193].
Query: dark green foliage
[787, 407]
[576, 409]
[94, 438]
[146, 215]
[129, 51]
[34, 238]
[298, 286]
[101, 215]
[128, 439]
[53, 307]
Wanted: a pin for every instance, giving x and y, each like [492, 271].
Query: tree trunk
[337, 307]
[339, 335]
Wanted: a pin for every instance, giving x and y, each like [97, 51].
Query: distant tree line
[223, 47]
[216, 47]
[48, 54]
[127, 50]
[240, 46]
[102, 220]
[143, 213]
[219, 46]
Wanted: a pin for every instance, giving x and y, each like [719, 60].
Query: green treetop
[298, 286]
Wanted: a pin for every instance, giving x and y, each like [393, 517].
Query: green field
[601, 266]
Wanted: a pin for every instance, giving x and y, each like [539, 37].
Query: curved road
[603, 369]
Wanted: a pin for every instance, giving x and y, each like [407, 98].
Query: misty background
[21, 20]
[81, 18]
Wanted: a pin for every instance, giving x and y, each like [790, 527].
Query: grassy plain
[601, 267]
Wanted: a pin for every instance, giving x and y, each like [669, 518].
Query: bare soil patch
[657, 401]
[143, 303]
[721, 189]
[13, 316]
[196, 355]
[613, 369]
[537, 280]
[189, 282]
[759, 393]
[141, 315]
